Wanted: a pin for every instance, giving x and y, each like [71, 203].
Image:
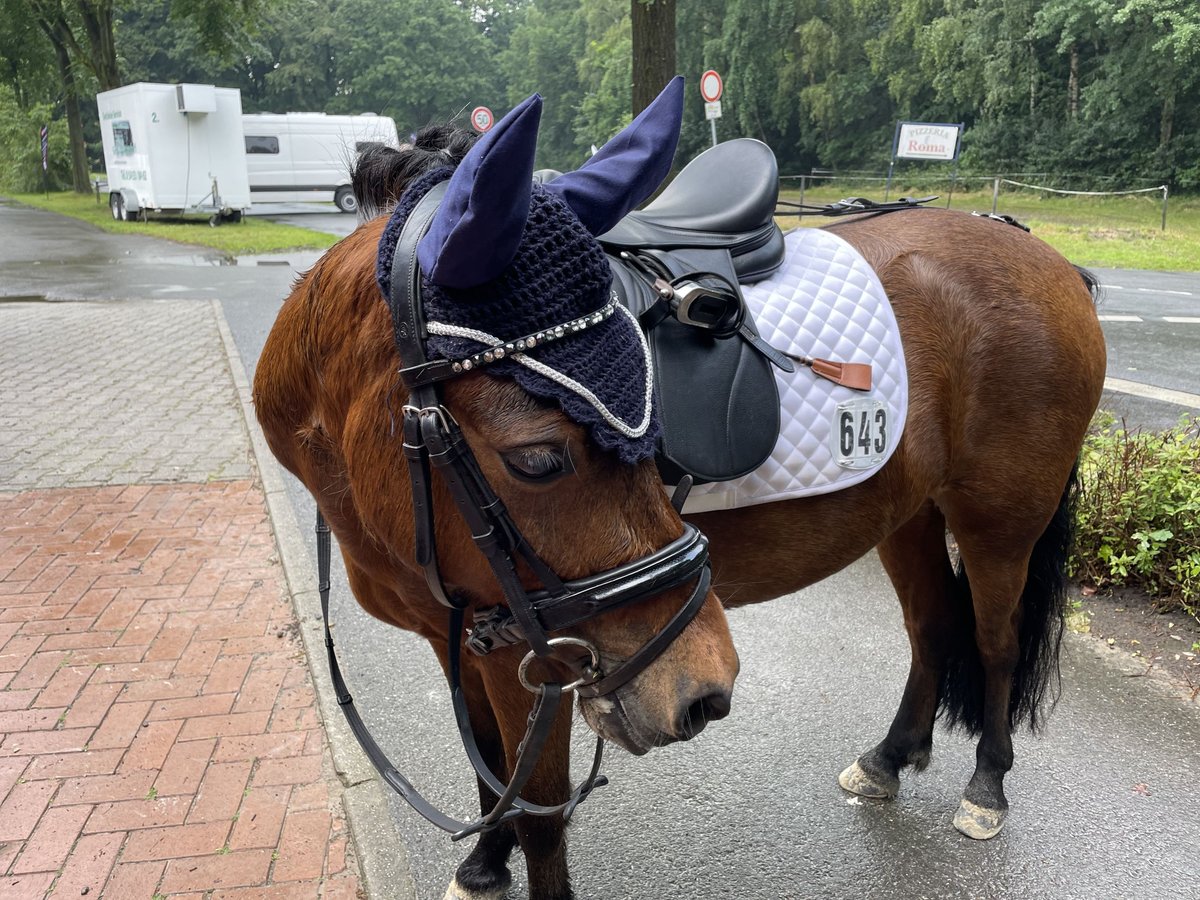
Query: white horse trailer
[174, 149]
[300, 157]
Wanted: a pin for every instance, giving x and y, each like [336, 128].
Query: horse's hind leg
[996, 586]
[916, 560]
[1016, 582]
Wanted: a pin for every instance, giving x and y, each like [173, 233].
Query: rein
[433, 440]
[851, 206]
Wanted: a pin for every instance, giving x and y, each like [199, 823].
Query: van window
[261, 143]
[122, 138]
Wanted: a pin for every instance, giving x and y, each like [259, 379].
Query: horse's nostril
[707, 709]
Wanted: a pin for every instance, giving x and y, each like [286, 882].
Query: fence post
[995, 194]
[803, 178]
[1164, 216]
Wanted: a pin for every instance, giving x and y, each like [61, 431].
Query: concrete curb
[386, 872]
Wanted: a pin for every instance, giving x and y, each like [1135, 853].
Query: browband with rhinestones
[554, 333]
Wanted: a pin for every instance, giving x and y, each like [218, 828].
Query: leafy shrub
[1138, 516]
[21, 148]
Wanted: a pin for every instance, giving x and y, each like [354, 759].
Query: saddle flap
[717, 397]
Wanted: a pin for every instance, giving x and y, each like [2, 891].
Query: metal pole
[995, 194]
[713, 123]
[803, 178]
[1164, 216]
[888, 188]
[953, 178]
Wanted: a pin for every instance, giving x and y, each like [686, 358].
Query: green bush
[1138, 516]
[21, 149]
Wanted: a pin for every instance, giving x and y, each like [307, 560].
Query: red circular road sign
[482, 118]
[711, 86]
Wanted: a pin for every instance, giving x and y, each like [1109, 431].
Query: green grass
[1109, 232]
[250, 236]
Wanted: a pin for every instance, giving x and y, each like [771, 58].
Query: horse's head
[509, 336]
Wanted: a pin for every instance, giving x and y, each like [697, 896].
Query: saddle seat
[723, 199]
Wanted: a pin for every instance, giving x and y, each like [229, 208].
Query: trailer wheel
[116, 204]
[214, 220]
[345, 199]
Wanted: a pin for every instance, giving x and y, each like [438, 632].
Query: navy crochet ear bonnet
[505, 260]
[558, 275]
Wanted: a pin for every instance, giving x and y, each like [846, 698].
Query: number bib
[860, 433]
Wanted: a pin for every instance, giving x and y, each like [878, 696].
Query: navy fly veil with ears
[509, 262]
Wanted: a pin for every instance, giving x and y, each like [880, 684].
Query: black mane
[381, 174]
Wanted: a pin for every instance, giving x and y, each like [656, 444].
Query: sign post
[711, 88]
[482, 119]
[925, 140]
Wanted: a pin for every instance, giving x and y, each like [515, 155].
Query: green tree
[418, 61]
[605, 71]
[542, 54]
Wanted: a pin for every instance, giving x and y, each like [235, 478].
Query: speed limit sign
[481, 118]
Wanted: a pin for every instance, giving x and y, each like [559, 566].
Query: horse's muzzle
[623, 718]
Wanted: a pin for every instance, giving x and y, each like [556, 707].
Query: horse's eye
[540, 464]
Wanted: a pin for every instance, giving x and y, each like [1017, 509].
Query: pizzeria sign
[927, 140]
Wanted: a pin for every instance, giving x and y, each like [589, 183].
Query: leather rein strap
[432, 439]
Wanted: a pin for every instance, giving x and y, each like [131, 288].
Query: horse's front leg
[484, 874]
[542, 838]
[918, 565]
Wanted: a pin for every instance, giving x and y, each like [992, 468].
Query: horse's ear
[627, 169]
[475, 232]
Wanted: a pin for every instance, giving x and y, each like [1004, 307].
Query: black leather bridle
[433, 438]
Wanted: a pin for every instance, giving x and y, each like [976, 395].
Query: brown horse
[1005, 363]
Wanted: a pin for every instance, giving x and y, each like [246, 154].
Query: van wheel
[116, 204]
[345, 200]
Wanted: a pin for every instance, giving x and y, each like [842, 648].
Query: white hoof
[978, 822]
[857, 781]
[458, 892]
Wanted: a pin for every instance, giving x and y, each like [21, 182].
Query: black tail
[1036, 679]
[1090, 281]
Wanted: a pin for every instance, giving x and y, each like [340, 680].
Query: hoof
[856, 780]
[979, 822]
[458, 892]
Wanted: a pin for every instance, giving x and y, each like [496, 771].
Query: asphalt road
[1103, 806]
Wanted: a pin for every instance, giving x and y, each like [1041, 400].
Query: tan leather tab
[856, 376]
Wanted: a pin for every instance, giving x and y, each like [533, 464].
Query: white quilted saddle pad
[824, 302]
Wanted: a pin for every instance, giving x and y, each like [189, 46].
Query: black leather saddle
[723, 199]
[676, 265]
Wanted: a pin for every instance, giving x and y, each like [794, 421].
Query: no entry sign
[482, 118]
[711, 86]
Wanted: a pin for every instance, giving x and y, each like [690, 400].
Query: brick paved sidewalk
[159, 736]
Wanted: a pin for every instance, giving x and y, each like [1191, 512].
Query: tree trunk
[59, 33]
[1166, 127]
[653, 23]
[1033, 80]
[97, 20]
[1073, 85]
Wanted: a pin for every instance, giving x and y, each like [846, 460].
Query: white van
[298, 157]
[174, 149]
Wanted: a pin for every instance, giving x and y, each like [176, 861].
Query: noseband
[433, 437]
